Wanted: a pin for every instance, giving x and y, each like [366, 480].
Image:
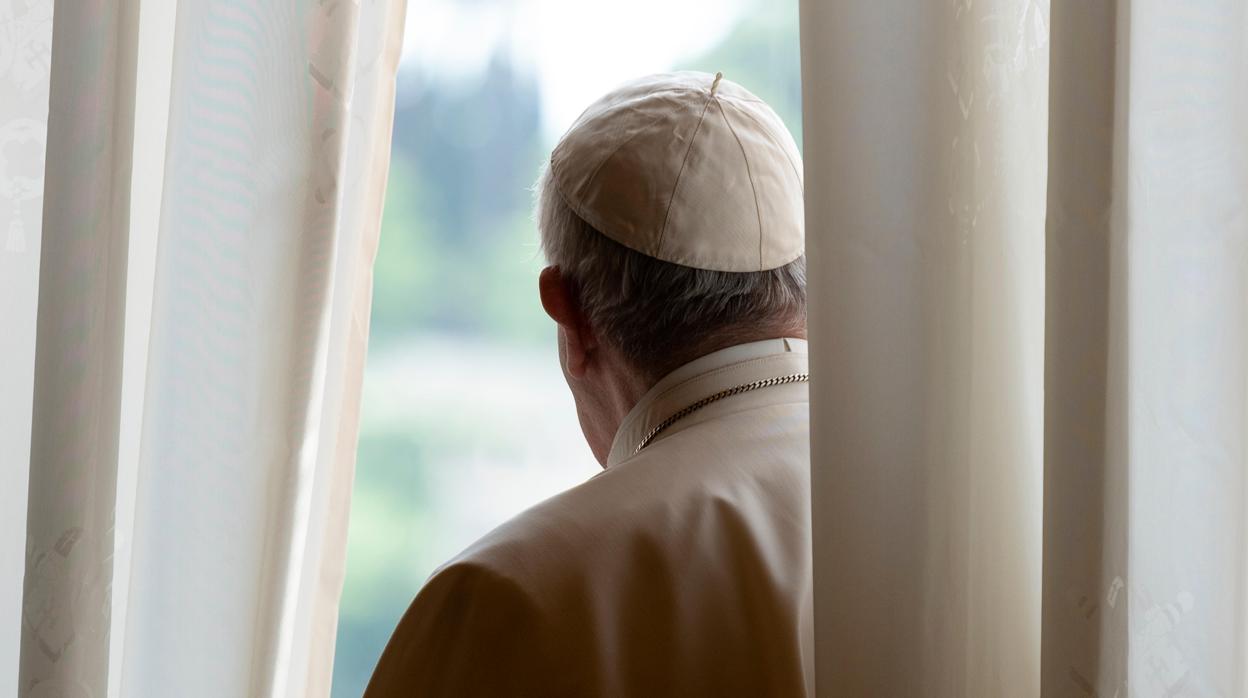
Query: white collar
[701, 377]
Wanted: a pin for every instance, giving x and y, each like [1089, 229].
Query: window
[466, 418]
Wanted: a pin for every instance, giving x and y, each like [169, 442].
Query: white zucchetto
[687, 168]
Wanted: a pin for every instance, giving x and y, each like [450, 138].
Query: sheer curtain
[1028, 235]
[211, 198]
[25, 57]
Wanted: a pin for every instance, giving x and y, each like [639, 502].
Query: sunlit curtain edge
[323, 563]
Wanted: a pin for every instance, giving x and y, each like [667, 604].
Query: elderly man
[671, 216]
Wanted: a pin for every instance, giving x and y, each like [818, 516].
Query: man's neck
[619, 389]
[621, 386]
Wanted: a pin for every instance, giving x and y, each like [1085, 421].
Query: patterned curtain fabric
[25, 57]
[1028, 240]
[211, 198]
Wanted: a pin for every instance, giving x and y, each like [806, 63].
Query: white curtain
[25, 56]
[211, 199]
[1028, 235]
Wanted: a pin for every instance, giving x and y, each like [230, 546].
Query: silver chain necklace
[736, 390]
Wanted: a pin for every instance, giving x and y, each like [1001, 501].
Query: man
[671, 216]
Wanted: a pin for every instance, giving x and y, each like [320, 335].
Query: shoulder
[531, 546]
[759, 453]
[467, 616]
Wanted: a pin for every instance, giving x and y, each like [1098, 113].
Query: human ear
[561, 305]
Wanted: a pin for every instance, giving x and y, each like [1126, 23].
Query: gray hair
[661, 315]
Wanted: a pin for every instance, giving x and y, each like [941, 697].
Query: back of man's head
[660, 315]
[673, 208]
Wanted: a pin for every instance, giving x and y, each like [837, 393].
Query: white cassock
[680, 570]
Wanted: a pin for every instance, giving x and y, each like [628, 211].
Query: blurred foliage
[458, 255]
[457, 201]
[388, 526]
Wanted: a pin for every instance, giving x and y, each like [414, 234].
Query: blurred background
[466, 419]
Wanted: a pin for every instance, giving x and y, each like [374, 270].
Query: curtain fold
[1086, 454]
[26, 33]
[246, 364]
[78, 351]
[321, 567]
[924, 151]
[1029, 315]
[1146, 464]
[244, 266]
